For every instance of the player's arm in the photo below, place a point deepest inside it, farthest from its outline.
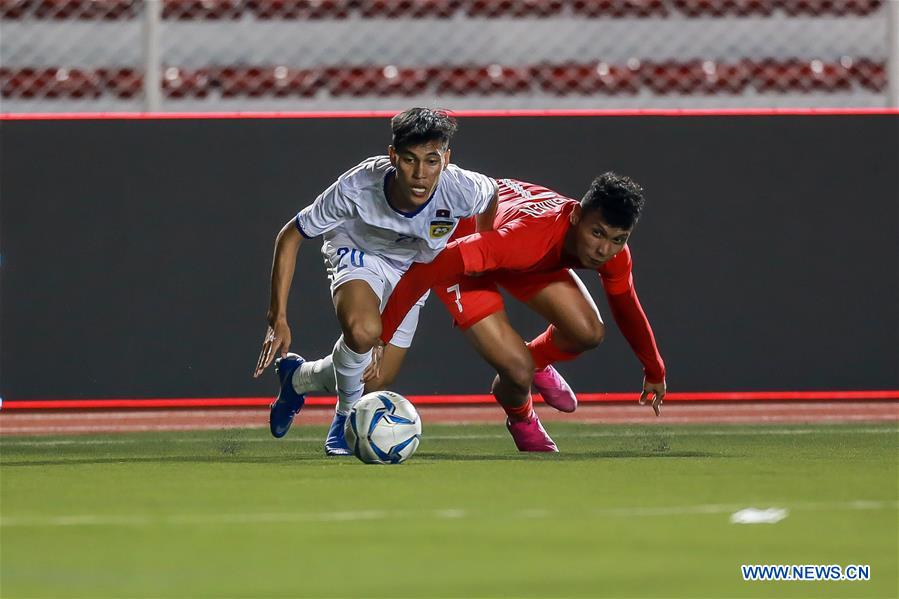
(447, 266)
(628, 313)
(277, 335)
(514, 247)
(329, 209)
(635, 327)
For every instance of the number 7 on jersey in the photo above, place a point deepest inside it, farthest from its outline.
(455, 289)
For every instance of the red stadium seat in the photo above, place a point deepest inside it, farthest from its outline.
(86, 9)
(620, 8)
(277, 81)
(408, 8)
(671, 77)
(694, 77)
(184, 83)
(830, 7)
(300, 9)
(476, 80)
(799, 75)
(122, 83)
(729, 78)
(514, 8)
(14, 83)
(210, 10)
(870, 74)
(74, 83)
(50, 83)
(565, 79)
(6, 88)
(720, 8)
(15, 9)
(585, 79)
(377, 81)
(337, 9)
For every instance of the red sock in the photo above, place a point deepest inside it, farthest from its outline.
(523, 413)
(544, 351)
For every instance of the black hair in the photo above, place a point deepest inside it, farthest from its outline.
(421, 125)
(618, 198)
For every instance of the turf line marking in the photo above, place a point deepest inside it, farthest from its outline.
(149, 415)
(749, 419)
(450, 513)
(752, 515)
(440, 514)
(629, 432)
(533, 513)
(56, 442)
(123, 428)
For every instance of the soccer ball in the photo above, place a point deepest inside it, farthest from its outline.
(383, 428)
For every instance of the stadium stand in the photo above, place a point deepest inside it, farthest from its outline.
(686, 78)
(321, 54)
(199, 10)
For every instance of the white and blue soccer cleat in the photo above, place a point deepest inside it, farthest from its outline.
(335, 444)
(288, 402)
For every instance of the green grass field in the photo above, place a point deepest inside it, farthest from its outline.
(622, 512)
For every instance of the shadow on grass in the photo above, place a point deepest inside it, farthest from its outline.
(565, 456)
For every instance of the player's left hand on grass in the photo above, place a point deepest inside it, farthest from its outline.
(373, 370)
(275, 345)
(657, 391)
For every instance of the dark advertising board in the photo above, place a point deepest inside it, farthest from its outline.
(136, 254)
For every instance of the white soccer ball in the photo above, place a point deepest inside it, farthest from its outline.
(383, 428)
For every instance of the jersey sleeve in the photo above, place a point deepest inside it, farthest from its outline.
(420, 277)
(618, 282)
(517, 245)
(478, 189)
(328, 210)
(617, 274)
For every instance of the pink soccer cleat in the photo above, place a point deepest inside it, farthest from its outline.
(530, 435)
(554, 390)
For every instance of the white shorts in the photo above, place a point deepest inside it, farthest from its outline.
(347, 263)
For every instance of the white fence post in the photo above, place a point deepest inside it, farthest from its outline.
(893, 54)
(152, 69)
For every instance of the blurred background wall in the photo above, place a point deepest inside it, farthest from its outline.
(136, 254)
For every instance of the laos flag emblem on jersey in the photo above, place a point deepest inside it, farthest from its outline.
(440, 228)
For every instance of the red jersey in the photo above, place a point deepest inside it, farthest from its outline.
(528, 235)
(530, 227)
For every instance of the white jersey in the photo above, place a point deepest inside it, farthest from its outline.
(356, 212)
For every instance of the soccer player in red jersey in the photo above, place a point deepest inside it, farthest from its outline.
(538, 236)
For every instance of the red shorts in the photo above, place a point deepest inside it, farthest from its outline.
(473, 299)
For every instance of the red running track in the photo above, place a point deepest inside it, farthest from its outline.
(74, 422)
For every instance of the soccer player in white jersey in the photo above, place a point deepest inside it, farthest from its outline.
(376, 219)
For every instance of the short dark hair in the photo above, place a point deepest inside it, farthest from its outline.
(618, 198)
(421, 125)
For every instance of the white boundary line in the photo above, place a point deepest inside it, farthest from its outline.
(626, 432)
(48, 429)
(238, 518)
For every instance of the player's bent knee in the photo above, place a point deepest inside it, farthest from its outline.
(362, 335)
(592, 335)
(585, 336)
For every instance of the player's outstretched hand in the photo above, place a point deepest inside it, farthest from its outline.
(276, 343)
(657, 391)
(373, 370)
